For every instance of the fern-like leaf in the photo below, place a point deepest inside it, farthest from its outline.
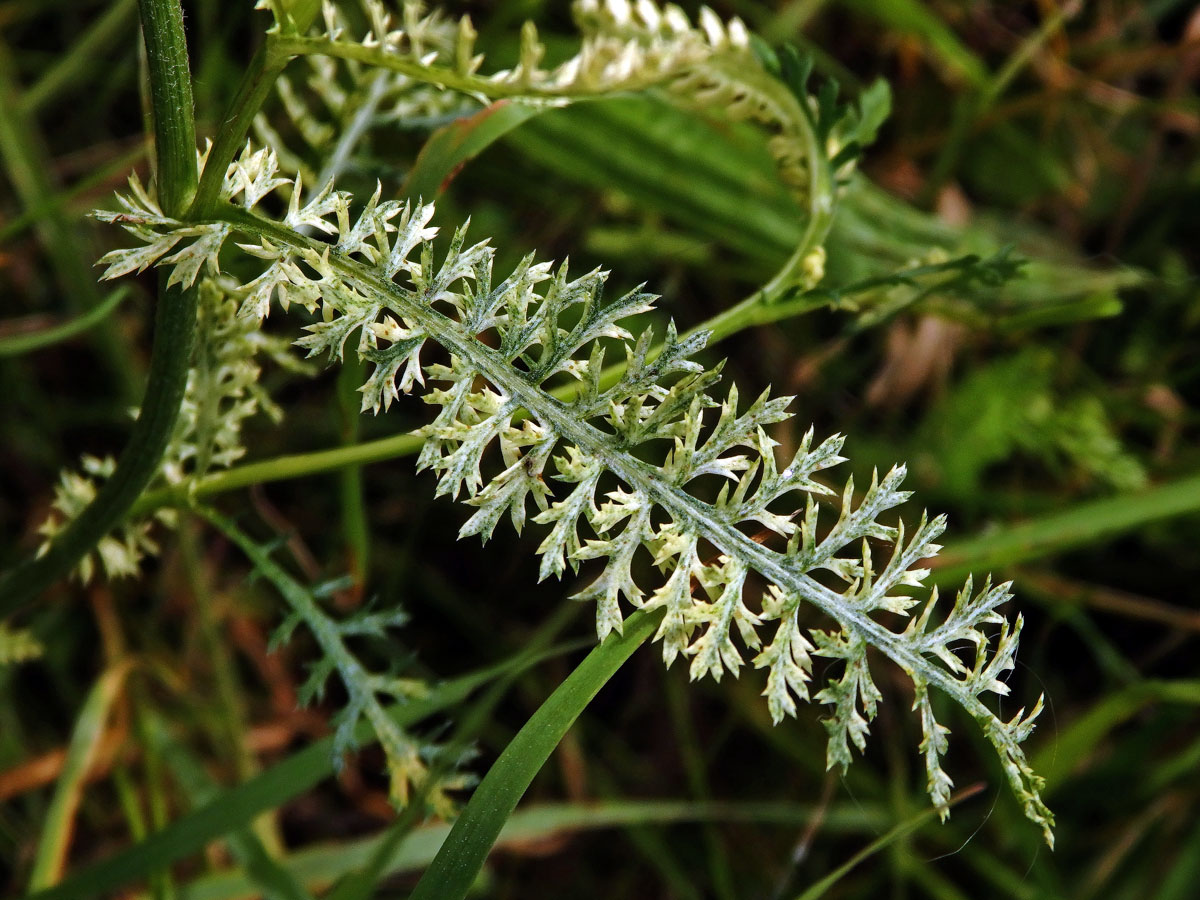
(379, 289)
(624, 47)
(367, 692)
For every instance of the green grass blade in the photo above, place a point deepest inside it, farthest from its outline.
(58, 203)
(915, 18)
(670, 162)
(77, 62)
(457, 863)
(272, 880)
(319, 866)
(1064, 752)
(904, 828)
(17, 344)
(237, 806)
(360, 884)
(25, 157)
(81, 753)
(452, 146)
(1085, 523)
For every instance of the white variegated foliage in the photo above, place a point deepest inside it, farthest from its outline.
(709, 64)
(119, 553)
(224, 388)
(330, 104)
(507, 447)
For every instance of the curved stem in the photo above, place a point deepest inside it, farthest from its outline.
(28, 342)
(462, 855)
(175, 321)
(265, 67)
(175, 325)
(254, 89)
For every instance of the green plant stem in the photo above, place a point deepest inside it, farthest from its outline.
(161, 879)
(901, 830)
(15, 345)
(264, 69)
(460, 858)
(380, 58)
(254, 89)
(355, 525)
(171, 99)
(175, 322)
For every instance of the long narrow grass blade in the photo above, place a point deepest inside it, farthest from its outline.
(81, 754)
(460, 858)
(237, 806)
(906, 827)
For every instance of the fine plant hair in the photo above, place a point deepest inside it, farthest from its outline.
(645, 460)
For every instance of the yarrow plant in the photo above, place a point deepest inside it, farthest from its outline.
(377, 285)
(551, 406)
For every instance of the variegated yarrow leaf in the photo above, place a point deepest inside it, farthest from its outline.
(224, 387)
(588, 466)
(428, 67)
(331, 103)
(119, 553)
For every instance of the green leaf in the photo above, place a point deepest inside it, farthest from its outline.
(460, 858)
(1083, 523)
(236, 807)
(16, 344)
(319, 866)
(81, 753)
(452, 146)
(909, 825)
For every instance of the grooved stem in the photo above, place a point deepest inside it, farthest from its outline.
(171, 98)
(174, 326)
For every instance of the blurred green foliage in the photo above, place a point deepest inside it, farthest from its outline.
(1058, 409)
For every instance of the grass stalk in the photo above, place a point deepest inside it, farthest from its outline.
(453, 870)
(175, 322)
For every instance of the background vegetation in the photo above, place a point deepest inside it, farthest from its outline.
(1054, 417)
